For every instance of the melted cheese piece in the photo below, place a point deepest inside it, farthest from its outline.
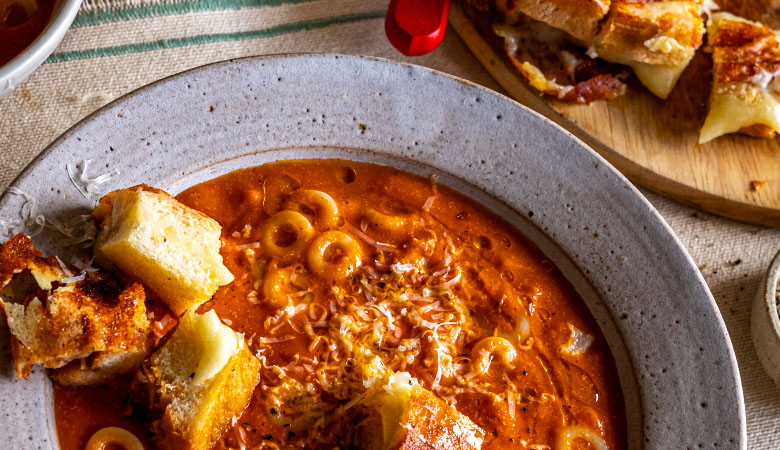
(734, 106)
(658, 79)
(664, 44)
(538, 81)
(218, 343)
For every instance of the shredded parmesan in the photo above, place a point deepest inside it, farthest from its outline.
(274, 340)
(85, 184)
(251, 245)
(73, 279)
(29, 217)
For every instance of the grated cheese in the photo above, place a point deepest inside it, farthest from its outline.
(28, 214)
(73, 279)
(85, 184)
(64, 268)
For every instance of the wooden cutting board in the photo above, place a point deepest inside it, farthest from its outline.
(654, 142)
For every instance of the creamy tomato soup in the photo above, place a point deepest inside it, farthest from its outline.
(346, 273)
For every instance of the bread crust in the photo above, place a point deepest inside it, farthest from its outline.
(578, 18)
(662, 32)
(742, 51)
(54, 323)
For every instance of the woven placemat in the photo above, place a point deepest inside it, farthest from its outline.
(117, 46)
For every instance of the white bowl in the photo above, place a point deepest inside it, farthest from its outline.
(23, 64)
(765, 322)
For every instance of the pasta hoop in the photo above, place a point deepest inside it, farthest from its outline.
(326, 212)
(113, 435)
(349, 259)
(290, 222)
(279, 284)
(568, 435)
(489, 349)
(385, 222)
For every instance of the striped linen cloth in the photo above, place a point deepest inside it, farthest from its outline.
(115, 46)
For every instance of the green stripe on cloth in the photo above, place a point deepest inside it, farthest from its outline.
(212, 38)
(85, 19)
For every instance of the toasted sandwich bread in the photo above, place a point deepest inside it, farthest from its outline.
(195, 385)
(404, 415)
(555, 67)
(56, 318)
(578, 18)
(746, 91)
(764, 11)
(171, 248)
(99, 367)
(657, 39)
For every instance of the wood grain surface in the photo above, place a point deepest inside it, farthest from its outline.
(655, 142)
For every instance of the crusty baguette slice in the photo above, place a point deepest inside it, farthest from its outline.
(197, 383)
(404, 415)
(579, 18)
(746, 61)
(171, 248)
(55, 318)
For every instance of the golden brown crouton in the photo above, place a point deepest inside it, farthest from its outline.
(171, 248)
(404, 415)
(196, 384)
(56, 318)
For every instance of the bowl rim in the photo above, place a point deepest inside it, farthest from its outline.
(43, 45)
(770, 291)
(773, 279)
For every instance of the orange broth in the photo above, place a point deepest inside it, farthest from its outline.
(502, 277)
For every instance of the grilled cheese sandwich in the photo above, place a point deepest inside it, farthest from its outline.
(746, 92)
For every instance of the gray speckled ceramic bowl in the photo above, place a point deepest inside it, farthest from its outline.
(19, 68)
(675, 361)
(765, 322)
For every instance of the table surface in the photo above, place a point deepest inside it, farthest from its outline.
(117, 46)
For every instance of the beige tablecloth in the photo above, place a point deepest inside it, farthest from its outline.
(117, 46)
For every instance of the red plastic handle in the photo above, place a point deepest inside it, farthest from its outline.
(416, 27)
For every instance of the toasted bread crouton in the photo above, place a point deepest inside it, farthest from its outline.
(54, 319)
(579, 18)
(171, 248)
(404, 415)
(196, 384)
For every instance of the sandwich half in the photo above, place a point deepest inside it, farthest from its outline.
(657, 39)
(745, 90)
